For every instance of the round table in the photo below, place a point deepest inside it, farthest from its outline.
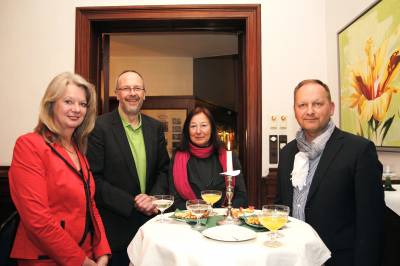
(176, 243)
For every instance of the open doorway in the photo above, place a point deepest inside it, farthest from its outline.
(203, 68)
(244, 20)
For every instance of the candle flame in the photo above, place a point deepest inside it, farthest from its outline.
(229, 145)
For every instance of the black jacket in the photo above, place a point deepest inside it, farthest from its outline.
(345, 204)
(117, 182)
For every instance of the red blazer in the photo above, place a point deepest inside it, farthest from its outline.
(50, 199)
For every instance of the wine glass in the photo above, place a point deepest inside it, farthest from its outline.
(273, 217)
(197, 207)
(162, 203)
(211, 197)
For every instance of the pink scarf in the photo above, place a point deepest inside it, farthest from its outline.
(179, 170)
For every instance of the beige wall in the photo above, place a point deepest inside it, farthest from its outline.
(298, 41)
(294, 48)
(159, 73)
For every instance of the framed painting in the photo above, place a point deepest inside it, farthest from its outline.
(172, 120)
(369, 75)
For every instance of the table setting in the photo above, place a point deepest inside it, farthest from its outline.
(178, 240)
(203, 235)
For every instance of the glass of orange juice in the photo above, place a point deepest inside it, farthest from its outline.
(211, 197)
(273, 217)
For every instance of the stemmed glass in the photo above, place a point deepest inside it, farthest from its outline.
(211, 197)
(162, 203)
(197, 207)
(273, 217)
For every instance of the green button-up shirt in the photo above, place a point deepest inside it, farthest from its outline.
(138, 149)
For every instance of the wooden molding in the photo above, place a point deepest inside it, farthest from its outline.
(4, 187)
(92, 22)
(4, 171)
(268, 187)
(7, 206)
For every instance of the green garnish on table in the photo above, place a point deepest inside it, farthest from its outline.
(212, 221)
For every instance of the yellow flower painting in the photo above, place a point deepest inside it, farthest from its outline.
(369, 71)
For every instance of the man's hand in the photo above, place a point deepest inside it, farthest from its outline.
(144, 204)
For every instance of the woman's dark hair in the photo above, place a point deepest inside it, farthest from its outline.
(214, 140)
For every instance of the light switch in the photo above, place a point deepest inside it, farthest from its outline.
(283, 122)
(282, 141)
(273, 122)
(273, 149)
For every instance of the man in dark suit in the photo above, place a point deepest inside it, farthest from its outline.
(128, 157)
(332, 180)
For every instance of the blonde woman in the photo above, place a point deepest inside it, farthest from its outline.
(51, 183)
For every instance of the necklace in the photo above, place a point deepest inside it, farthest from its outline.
(68, 150)
(71, 152)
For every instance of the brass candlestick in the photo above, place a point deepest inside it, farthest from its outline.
(229, 219)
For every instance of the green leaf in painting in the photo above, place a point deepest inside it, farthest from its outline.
(386, 127)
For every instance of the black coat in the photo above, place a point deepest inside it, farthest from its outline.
(345, 204)
(117, 182)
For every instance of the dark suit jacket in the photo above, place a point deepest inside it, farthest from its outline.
(117, 182)
(345, 204)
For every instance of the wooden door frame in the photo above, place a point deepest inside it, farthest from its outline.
(91, 22)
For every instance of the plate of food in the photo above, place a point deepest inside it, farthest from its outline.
(252, 221)
(187, 216)
(240, 212)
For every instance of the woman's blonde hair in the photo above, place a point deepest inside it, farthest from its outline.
(46, 126)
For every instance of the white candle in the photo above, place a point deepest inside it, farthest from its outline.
(229, 165)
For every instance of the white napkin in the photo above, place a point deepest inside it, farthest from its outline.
(300, 170)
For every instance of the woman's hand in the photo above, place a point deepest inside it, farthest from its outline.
(88, 262)
(102, 261)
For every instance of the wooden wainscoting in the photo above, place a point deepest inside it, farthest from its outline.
(268, 190)
(7, 206)
(244, 20)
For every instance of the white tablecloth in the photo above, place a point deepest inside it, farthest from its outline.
(175, 243)
(392, 199)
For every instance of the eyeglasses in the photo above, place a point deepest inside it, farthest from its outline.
(129, 89)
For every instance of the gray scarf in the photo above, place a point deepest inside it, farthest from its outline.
(308, 151)
(316, 147)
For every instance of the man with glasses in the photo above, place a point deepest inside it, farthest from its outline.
(129, 160)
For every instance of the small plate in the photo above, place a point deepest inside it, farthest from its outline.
(229, 233)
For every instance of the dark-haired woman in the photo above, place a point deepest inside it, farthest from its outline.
(198, 162)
